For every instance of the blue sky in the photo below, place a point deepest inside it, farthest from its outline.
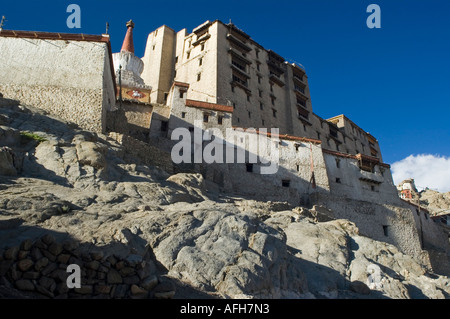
(393, 82)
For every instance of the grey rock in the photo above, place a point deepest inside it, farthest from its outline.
(41, 263)
(55, 249)
(25, 284)
(11, 253)
(113, 277)
(25, 264)
(26, 245)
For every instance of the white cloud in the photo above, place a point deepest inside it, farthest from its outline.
(432, 171)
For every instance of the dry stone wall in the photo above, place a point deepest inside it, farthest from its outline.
(39, 270)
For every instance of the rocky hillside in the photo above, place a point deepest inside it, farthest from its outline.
(435, 202)
(73, 197)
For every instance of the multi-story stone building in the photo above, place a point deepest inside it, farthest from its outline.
(223, 65)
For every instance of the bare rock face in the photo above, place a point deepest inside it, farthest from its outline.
(77, 185)
(7, 162)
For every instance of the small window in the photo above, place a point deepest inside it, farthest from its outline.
(176, 60)
(249, 168)
(153, 48)
(272, 100)
(274, 112)
(338, 163)
(234, 105)
(181, 94)
(263, 122)
(164, 126)
(183, 115)
(259, 79)
(338, 180)
(260, 93)
(372, 188)
(261, 106)
(298, 168)
(220, 120)
(248, 98)
(205, 117)
(249, 115)
(285, 183)
(191, 129)
(200, 62)
(386, 230)
(199, 77)
(304, 127)
(203, 47)
(188, 55)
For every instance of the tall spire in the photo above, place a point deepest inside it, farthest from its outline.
(128, 45)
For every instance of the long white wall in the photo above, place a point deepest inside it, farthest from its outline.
(70, 79)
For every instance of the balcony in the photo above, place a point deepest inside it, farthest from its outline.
(297, 78)
(275, 67)
(275, 79)
(238, 43)
(242, 71)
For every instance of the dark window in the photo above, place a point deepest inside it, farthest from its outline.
(199, 77)
(183, 115)
(285, 183)
(191, 129)
(239, 65)
(338, 163)
(203, 46)
(164, 126)
(261, 106)
(274, 112)
(220, 120)
(181, 94)
(200, 61)
(298, 168)
(338, 180)
(386, 230)
(249, 168)
(205, 117)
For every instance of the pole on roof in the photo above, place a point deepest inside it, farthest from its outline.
(120, 85)
(2, 23)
